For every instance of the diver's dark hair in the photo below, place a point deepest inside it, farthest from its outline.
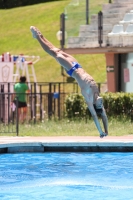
(22, 79)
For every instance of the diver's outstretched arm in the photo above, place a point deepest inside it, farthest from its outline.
(105, 121)
(95, 118)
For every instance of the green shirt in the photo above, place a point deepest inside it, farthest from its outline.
(20, 89)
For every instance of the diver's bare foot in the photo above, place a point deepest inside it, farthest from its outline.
(103, 135)
(35, 32)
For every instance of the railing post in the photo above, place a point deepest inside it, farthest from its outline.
(17, 117)
(62, 29)
(41, 110)
(35, 103)
(99, 87)
(31, 103)
(87, 11)
(50, 101)
(59, 101)
(8, 98)
(100, 28)
(54, 101)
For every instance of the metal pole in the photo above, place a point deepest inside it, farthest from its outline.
(87, 11)
(35, 102)
(8, 102)
(50, 95)
(100, 28)
(17, 117)
(62, 29)
(41, 110)
(59, 105)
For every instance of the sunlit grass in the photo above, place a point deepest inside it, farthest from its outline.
(15, 37)
(117, 127)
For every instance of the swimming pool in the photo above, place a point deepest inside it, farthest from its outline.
(66, 176)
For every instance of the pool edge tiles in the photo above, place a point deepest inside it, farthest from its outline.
(21, 147)
(66, 146)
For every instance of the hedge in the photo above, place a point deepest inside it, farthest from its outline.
(115, 104)
(6, 4)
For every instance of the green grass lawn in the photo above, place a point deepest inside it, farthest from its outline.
(117, 127)
(15, 37)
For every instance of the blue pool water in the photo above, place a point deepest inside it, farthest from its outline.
(66, 176)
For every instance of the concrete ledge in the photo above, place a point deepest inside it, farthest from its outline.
(3, 150)
(67, 146)
(98, 50)
(88, 149)
(20, 149)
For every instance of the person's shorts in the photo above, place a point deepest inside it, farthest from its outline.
(21, 104)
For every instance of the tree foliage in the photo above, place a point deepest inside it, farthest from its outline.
(115, 104)
(6, 4)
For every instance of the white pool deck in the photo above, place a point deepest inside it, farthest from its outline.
(19, 144)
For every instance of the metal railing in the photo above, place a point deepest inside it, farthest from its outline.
(47, 104)
(40, 106)
(43, 87)
(9, 122)
(100, 28)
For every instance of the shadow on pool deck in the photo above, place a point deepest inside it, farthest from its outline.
(66, 144)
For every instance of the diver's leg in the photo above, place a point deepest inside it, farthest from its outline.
(46, 45)
(49, 47)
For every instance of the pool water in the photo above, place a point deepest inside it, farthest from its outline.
(66, 176)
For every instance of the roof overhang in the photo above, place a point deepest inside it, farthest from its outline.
(98, 50)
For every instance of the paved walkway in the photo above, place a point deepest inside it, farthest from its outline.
(67, 139)
(66, 143)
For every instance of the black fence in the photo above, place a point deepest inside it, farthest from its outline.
(46, 87)
(9, 122)
(41, 107)
(46, 101)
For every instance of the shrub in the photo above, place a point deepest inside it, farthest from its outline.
(75, 106)
(5, 4)
(115, 104)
